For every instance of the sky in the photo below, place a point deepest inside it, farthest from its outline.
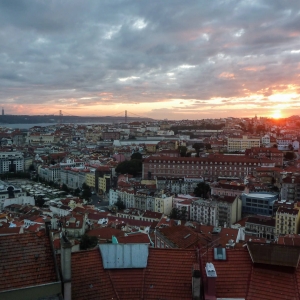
(169, 59)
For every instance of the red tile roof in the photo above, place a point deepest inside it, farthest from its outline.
(25, 260)
(105, 233)
(237, 277)
(134, 238)
(167, 276)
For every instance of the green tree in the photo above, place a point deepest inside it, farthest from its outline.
(132, 167)
(120, 204)
(77, 192)
(202, 190)
(86, 191)
(39, 201)
(174, 213)
(178, 214)
(182, 150)
(198, 147)
(88, 242)
(65, 188)
(136, 155)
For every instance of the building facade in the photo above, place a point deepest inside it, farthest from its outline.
(211, 167)
(287, 221)
(258, 203)
(242, 143)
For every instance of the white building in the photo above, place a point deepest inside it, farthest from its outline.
(265, 140)
(204, 211)
(11, 162)
(242, 143)
(23, 200)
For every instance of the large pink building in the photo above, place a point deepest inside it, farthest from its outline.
(210, 167)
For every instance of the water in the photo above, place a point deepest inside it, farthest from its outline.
(27, 126)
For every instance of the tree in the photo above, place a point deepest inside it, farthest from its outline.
(260, 129)
(208, 146)
(87, 242)
(289, 155)
(132, 167)
(182, 151)
(65, 188)
(86, 191)
(178, 214)
(77, 192)
(197, 147)
(31, 168)
(174, 213)
(136, 155)
(202, 190)
(120, 204)
(39, 201)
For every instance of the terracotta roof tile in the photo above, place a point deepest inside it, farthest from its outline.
(25, 260)
(91, 281)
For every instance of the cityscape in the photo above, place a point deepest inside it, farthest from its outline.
(205, 194)
(149, 150)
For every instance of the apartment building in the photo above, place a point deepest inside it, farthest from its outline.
(90, 180)
(110, 135)
(73, 177)
(242, 143)
(204, 211)
(184, 185)
(258, 203)
(49, 173)
(261, 227)
(290, 188)
(273, 153)
(287, 220)
(228, 188)
(11, 162)
(212, 167)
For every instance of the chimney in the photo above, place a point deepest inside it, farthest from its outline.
(47, 227)
(196, 282)
(65, 261)
(211, 274)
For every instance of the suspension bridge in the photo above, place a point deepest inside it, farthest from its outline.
(63, 116)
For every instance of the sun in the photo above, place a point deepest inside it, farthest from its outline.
(276, 114)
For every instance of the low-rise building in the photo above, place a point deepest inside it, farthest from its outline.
(261, 227)
(287, 220)
(258, 203)
(242, 143)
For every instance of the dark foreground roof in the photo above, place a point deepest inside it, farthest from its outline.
(167, 276)
(26, 260)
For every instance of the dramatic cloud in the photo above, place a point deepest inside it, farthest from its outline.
(162, 59)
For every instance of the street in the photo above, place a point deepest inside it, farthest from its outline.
(103, 205)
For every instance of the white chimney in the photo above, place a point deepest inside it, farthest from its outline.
(211, 275)
(65, 261)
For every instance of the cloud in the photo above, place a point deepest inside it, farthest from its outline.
(113, 53)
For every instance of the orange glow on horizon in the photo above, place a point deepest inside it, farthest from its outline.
(277, 114)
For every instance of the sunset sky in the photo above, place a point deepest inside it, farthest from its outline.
(170, 59)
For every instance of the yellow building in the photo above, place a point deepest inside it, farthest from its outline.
(103, 183)
(163, 204)
(242, 143)
(90, 180)
(287, 221)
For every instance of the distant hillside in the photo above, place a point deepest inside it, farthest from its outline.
(24, 119)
